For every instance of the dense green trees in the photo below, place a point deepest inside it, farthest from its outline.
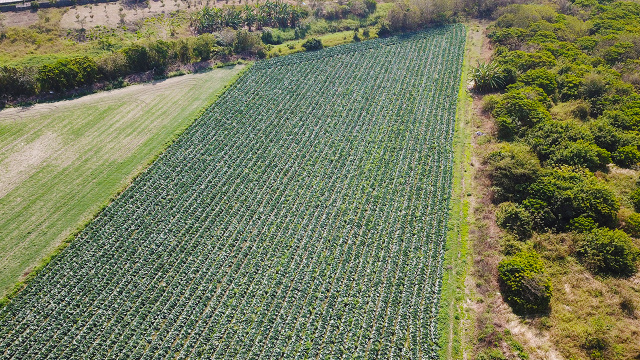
(567, 114)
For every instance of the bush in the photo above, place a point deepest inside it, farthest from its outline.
(137, 58)
(514, 219)
(571, 193)
(488, 77)
(635, 199)
(17, 82)
(512, 169)
(582, 224)
(550, 137)
(542, 78)
(269, 38)
(523, 108)
(608, 252)
(312, 44)
(112, 66)
(68, 74)
(524, 284)
(581, 153)
(627, 156)
(203, 46)
(632, 225)
(246, 42)
(384, 30)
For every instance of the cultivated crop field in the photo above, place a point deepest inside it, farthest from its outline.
(302, 216)
(61, 162)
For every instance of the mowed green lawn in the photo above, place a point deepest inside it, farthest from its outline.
(60, 162)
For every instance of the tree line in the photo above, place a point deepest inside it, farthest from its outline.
(157, 56)
(268, 14)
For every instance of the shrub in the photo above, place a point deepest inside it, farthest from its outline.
(68, 74)
(627, 156)
(521, 109)
(269, 38)
(512, 169)
(488, 77)
(582, 224)
(571, 193)
(312, 44)
(542, 78)
(605, 135)
(137, 58)
(246, 42)
(635, 199)
(632, 225)
(581, 153)
(112, 66)
(524, 284)
(17, 82)
(203, 46)
(384, 30)
(514, 219)
(609, 252)
(550, 137)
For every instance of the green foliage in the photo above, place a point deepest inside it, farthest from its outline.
(525, 286)
(524, 109)
(582, 224)
(312, 44)
(541, 78)
(605, 135)
(488, 77)
(384, 30)
(137, 57)
(632, 225)
(571, 193)
(581, 153)
(203, 46)
(512, 169)
(609, 252)
(593, 85)
(68, 74)
(510, 37)
(627, 156)
(635, 199)
(247, 43)
(618, 52)
(275, 14)
(524, 61)
(548, 137)
(16, 82)
(515, 219)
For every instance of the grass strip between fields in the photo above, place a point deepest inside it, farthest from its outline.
(43, 263)
(451, 314)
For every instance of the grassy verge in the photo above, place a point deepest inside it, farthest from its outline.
(451, 314)
(96, 149)
(328, 40)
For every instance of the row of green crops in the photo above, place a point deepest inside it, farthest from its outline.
(302, 216)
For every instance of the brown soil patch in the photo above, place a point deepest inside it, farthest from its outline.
(19, 18)
(112, 14)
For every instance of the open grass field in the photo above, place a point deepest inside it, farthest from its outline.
(61, 162)
(304, 215)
